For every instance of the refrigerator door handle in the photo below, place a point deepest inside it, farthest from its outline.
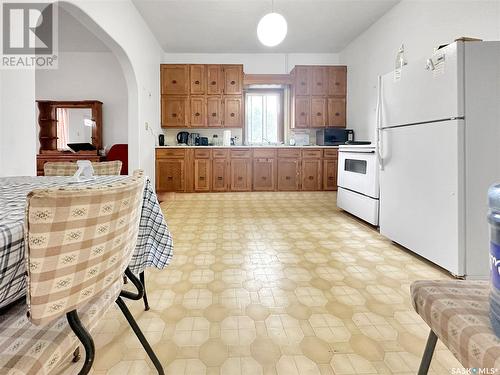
(379, 124)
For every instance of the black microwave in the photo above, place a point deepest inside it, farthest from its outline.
(334, 137)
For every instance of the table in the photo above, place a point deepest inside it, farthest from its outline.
(154, 244)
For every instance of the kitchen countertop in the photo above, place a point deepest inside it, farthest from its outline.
(270, 146)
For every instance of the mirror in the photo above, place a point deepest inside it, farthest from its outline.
(74, 125)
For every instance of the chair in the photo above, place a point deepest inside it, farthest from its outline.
(119, 152)
(105, 168)
(79, 242)
(457, 314)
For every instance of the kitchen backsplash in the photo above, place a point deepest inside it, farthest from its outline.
(171, 134)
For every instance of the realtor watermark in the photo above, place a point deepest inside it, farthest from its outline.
(29, 35)
(475, 371)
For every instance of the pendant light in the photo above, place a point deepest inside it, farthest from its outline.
(272, 28)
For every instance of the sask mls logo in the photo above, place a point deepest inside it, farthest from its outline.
(29, 35)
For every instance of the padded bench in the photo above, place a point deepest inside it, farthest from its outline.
(457, 313)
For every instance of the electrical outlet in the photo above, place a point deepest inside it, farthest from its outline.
(146, 125)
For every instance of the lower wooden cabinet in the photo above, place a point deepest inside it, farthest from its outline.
(264, 174)
(330, 174)
(241, 174)
(202, 174)
(170, 175)
(311, 174)
(288, 174)
(220, 173)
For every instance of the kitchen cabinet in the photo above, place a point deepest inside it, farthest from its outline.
(319, 84)
(170, 175)
(288, 173)
(264, 170)
(318, 112)
(197, 109)
(220, 173)
(241, 174)
(302, 80)
(233, 111)
(336, 112)
(197, 79)
(330, 168)
(337, 81)
(311, 174)
(215, 80)
(174, 111)
(302, 112)
(174, 79)
(202, 174)
(233, 79)
(214, 111)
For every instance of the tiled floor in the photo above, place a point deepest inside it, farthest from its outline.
(274, 283)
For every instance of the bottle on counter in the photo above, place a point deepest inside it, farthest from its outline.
(494, 220)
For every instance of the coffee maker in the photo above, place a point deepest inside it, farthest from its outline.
(194, 139)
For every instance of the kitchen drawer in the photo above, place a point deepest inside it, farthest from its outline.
(219, 153)
(311, 153)
(163, 153)
(289, 153)
(202, 154)
(330, 153)
(241, 153)
(264, 153)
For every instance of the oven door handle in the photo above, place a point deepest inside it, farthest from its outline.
(358, 152)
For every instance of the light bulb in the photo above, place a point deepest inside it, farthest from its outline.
(272, 29)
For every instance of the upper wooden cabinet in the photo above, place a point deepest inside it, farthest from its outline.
(325, 88)
(214, 111)
(337, 80)
(197, 79)
(302, 80)
(197, 110)
(319, 85)
(174, 111)
(174, 79)
(233, 79)
(233, 111)
(215, 79)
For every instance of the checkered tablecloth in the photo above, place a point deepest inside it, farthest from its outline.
(154, 244)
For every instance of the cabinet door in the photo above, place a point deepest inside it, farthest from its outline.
(336, 112)
(215, 80)
(264, 174)
(202, 173)
(198, 113)
(219, 175)
(197, 79)
(170, 175)
(288, 174)
(330, 174)
(233, 79)
(241, 174)
(337, 80)
(311, 174)
(233, 112)
(174, 79)
(214, 111)
(174, 111)
(319, 85)
(302, 112)
(318, 112)
(302, 80)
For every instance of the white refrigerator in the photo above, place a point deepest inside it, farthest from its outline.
(439, 151)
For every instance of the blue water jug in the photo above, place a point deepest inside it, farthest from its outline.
(494, 219)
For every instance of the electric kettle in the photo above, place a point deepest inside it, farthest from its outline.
(182, 138)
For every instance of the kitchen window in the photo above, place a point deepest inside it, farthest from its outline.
(264, 117)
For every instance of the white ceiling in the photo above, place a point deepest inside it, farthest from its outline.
(229, 26)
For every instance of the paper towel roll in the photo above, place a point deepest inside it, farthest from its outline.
(227, 138)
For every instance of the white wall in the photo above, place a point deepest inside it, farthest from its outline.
(255, 63)
(90, 76)
(421, 26)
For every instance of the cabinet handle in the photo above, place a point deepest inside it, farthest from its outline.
(202, 178)
(302, 113)
(330, 178)
(174, 114)
(318, 114)
(219, 178)
(240, 178)
(174, 81)
(337, 114)
(196, 82)
(337, 83)
(197, 114)
(213, 83)
(264, 178)
(319, 83)
(233, 82)
(232, 114)
(311, 177)
(170, 178)
(303, 83)
(287, 178)
(214, 114)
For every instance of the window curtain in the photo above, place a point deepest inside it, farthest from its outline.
(62, 128)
